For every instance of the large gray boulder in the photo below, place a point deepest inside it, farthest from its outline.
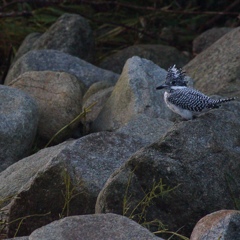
(134, 93)
(163, 56)
(216, 70)
(70, 174)
(18, 125)
(93, 227)
(71, 34)
(53, 60)
(197, 159)
(59, 99)
(147, 128)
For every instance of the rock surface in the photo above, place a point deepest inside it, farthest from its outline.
(59, 98)
(93, 227)
(207, 38)
(134, 93)
(198, 159)
(95, 87)
(18, 125)
(216, 70)
(42, 180)
(53, 60)
(149, 129)
(70, 34)
(224, 224)
(98, 99)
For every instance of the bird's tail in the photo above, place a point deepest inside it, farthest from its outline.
(216, 103)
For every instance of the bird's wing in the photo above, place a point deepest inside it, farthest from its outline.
(189, 99)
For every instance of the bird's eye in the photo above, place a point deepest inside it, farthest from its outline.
(173, 82)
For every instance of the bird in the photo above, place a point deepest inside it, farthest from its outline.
(184, 100)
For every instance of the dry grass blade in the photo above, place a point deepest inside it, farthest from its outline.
(81, 115)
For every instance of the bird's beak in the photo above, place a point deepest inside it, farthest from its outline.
(162, 86)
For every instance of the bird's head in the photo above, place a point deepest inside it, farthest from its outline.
(175, 77)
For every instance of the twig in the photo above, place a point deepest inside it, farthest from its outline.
(11, 3)
(127, 5)
(120, 25)
(24, 218)
(164, 9)
(82, 114)
(16, 14)
(215, 18)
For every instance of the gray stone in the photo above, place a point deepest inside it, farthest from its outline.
(96, 96)
(198, 159)
(134, 93)
(70, 34)
(53, 60)
(18, 125)
(149, 129)
(99, 99)
(19, 174)
(223, 224)
(207, 38)
(59, 98)
(216, 70)
(93, 227)
(95, 87)
(164, 56)
(40, 183)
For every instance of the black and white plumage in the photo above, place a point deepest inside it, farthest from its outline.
(183, 100)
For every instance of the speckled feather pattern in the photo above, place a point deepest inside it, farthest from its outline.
(184, 100)
(193, 100)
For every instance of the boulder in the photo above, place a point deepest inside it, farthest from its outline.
(191, 171)
(18, 125)
(216, 70)
(98, 99)
(93, 227)
(134, 93)
(207, 38)
(96, 96)
(70, 34)
(59, 99)
(53, 60)
(149, 129)
(163, 56)
(223, 224)
(62, 180)
(95, 87)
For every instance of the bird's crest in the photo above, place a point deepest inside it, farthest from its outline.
(176, 77)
